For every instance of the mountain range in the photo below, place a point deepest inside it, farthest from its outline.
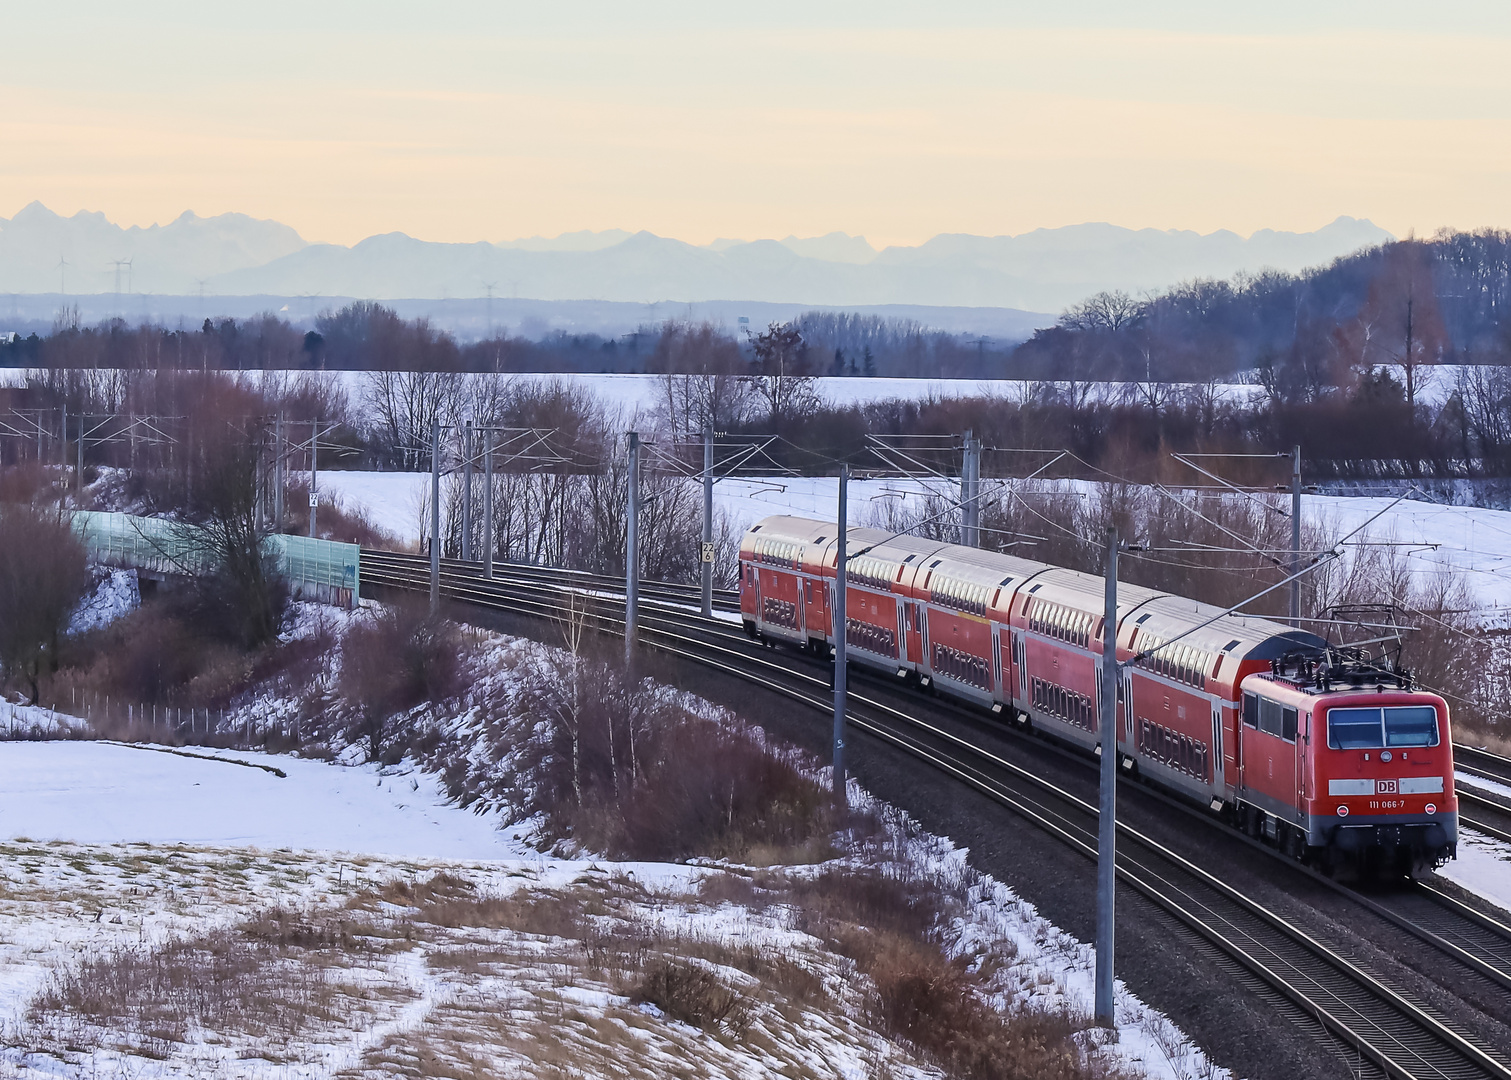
(235, 255)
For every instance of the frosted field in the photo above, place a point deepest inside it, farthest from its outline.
(641, 393)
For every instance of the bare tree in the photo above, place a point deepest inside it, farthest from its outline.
(404, 405)
(1109, 311)
(244, 595)
(782, 375)
(1484, 396)
(42, 576)
(690, 403)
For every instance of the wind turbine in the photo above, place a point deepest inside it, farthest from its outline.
(61, 268)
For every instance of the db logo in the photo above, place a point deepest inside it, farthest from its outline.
(1432, 808)
(1385, 787)
(1343, 811)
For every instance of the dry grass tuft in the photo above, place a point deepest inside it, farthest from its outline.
(226, 981)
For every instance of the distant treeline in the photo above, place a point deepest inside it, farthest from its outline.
(367, 336)
(1411, 303)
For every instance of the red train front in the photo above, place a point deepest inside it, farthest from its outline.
(1344, 755)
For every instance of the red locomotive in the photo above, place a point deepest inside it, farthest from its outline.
(1331, 758)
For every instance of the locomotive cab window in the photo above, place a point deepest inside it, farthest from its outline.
(1414, 725)
(1250, 711)
(1367, 729)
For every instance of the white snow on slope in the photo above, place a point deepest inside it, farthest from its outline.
(1483, 866)
(115, 593)
(395, 502)
(105, 793)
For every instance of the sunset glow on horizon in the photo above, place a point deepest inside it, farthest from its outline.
(481, 123)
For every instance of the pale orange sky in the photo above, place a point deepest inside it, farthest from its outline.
(497, 121)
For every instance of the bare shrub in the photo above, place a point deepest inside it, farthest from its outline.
(692, 994)
(344, 524)
(896, 928)
(149, 657)
(23, 482)
(608, 770)
(400, 658)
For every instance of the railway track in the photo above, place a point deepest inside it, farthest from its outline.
(1487, 810)
(1321, 986)
(666, 591)
(1482, 763)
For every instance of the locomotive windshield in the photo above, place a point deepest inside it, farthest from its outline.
(1366, 729)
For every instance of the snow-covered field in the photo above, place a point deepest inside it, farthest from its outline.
(109, 793)
(630, 392)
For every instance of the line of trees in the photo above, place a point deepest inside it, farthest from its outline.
(1411, 305)
(367, 336)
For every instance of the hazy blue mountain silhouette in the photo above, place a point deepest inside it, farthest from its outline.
(1043, 270)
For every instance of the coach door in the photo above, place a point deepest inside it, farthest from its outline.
(923, 639)
(1125, 704)
(1020, 666)
(997, 680)
(913, 631)
(1303, 737)
(1218, 780)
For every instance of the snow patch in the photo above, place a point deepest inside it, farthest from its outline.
(1483, 867)
(109, 793)
(115, 593)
